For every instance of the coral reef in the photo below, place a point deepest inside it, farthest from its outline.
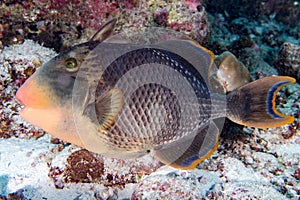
(231, 9)
(268, 158)
(288, 62)
(257, 67)
(168, 183)
(286, 11)
(84, 166)
(283, 11)
(176, 15)
(55, 23)
(249, 163)
(59, 24)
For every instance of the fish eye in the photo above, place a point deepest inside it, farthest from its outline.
(71, 64)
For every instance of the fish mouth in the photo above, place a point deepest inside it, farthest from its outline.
(21, 98)
(36, 113)
(23, 109)
(56, 121)
(23, 106)
(31, 94)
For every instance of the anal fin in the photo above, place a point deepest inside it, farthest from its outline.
(188, 153)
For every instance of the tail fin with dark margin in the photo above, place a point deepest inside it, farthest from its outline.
(254, 104)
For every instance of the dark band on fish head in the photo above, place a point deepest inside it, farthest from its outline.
(55, 73)
(59, 83)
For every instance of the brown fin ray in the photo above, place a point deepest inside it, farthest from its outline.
(105, 31)
(229, 73)
(200, 57)
(188, 153)
(254, 104)
(108, 106)
(214, 83)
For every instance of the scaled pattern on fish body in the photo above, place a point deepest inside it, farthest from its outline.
(129, 96)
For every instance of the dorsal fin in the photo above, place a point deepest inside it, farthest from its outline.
(105, 31)
(229, 72)
(197, 55)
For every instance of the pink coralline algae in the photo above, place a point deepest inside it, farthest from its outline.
(161, 17)
(59, 24)
(84, 166)
(189, 18)
(193, 4)
(297, 174)
(55, 23)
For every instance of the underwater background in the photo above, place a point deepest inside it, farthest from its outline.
(249, 163)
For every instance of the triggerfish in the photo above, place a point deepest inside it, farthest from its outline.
(127, 97)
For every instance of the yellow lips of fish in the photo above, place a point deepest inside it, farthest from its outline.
(33, 95)
(40, 110)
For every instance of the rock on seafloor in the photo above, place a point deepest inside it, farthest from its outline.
(169, 183)
(241, 183)
(289, 60)
(253, 164)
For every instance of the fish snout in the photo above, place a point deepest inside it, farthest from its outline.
(41, 110)
(31, 94)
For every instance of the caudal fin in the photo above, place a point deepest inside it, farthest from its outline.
(254, 104)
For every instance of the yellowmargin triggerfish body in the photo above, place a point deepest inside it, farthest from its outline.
(124, 97)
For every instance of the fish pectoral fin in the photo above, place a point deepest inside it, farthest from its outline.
(105, 31)
(108, 106)
(188, 153)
